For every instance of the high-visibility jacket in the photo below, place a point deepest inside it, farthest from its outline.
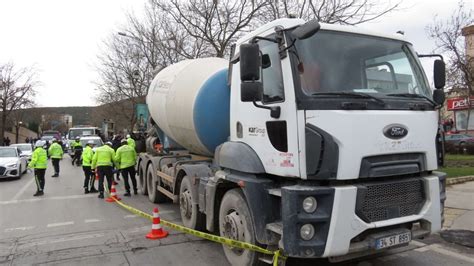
(131, 142)
(103, 156)
(76, 144)
(39, 159)
(87, 155)
(125, 156)
(55, 151)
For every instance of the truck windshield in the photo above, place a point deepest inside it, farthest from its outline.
(338, 63)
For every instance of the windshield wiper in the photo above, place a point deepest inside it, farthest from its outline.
(351, 94)
(412, 95)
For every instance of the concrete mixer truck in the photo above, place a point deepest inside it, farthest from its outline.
(319, 140)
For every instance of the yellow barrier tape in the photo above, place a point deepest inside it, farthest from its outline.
(219, 239)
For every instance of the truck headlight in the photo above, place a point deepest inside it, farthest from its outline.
(11, 165)
(310, 204)
(307, 232)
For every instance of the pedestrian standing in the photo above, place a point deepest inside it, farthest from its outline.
(89, 176)
(7, 142)
(39, 162)
(56, 154)
(103, 162)
(126, 158)
(27, 140)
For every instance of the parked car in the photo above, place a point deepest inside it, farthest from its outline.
(12, 164)
(459, 139)
(458, 143)
(25, 148)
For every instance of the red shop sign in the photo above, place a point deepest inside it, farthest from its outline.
(459, 103)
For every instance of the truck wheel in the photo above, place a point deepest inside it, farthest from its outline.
(142, 178)
(235, 223)
(190, 214)
(153, 194)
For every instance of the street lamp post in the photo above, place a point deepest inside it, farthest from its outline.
(17, 126)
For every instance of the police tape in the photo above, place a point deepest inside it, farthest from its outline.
(219, 239)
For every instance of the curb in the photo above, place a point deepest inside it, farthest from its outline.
(459, 180)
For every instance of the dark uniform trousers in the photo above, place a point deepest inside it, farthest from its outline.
(39, 176)
(88, 176)
(56, 164)
(125, 173)
(105, 172)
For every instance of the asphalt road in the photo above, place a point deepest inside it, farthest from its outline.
(67, 227)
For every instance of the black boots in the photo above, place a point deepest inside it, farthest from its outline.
(135, 191)
(55, 175)
(93, 190)
(86, 191)
(101, 195)
(38, 193)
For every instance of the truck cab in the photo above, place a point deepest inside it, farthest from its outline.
(349, 117)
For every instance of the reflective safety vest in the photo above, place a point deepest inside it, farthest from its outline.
(103, 156)
(76, 144)
(55, 151)
(125, 156)
(131, 142)
(87, 155)
(39, 159)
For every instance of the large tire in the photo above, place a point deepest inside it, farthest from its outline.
(142, 178)
(236, 223)
(153, 194)
(190, 214)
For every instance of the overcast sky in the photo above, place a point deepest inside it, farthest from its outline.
(62, 38)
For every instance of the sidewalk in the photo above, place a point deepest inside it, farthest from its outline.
(459, 207)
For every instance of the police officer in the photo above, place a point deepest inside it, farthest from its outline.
(89, 177)
(56, 154)
(102, 161)
(125, 158)
(130, 141)
(39, 162)
(76, 147)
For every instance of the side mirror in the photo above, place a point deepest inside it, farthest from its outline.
(438, 96)
(250, 62)
(306, 30)
(250, 91)
(439, 73)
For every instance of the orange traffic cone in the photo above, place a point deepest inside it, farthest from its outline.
(156, 231)
(113, 195)
(96, 175)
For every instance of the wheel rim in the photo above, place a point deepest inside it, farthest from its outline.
(185, 204)
(234, 229)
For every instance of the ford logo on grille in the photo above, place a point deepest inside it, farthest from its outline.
(395, 131)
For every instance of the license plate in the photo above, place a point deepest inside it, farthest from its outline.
(394, 240)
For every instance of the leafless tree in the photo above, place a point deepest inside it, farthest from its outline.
(214, 23)
(449, 40)
(346, 12)
(17, 89)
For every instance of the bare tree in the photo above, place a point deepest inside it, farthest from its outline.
(346, 12)
(214, 23)
(17, 89)
(449, 41)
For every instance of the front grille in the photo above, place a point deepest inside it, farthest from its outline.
(2, 170)
(380, 201)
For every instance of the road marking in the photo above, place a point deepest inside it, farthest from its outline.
(60, 224)
(91, 221)
(63, 239)
(130, 216)
(440, 249)
(23, 189)
(42, 199)
(24, 228)
(417, 243)
(423, 249)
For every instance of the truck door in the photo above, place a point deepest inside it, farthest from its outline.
(273, 139)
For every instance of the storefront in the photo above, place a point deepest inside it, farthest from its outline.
(460, 107)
